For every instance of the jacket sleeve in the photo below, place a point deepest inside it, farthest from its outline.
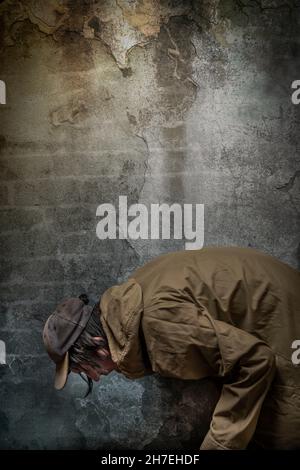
(247, 365)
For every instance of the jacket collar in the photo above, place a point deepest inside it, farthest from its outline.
(121, 311)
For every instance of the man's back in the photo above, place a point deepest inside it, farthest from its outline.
(241, 286)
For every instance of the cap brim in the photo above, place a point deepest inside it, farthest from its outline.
(61, 373)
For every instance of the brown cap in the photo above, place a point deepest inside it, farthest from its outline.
(61, 331)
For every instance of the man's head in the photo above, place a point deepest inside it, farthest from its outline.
(75, 341)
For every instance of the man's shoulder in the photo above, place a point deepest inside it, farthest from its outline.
(122, 300)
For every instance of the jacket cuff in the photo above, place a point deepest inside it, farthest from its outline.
(210, 444)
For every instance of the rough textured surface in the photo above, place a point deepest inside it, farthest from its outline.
(162, 101)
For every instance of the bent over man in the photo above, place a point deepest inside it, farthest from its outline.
(224, 312)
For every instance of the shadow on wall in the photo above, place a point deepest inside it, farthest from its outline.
(187, 408)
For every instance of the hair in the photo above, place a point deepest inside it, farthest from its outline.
(85, 347)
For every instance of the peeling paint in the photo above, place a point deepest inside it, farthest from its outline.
(287, 186)
(72, 113)
(119, 24)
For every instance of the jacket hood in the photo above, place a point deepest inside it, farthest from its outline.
(121, 311)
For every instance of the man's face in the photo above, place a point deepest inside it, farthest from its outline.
(102, 365)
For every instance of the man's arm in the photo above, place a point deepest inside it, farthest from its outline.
(248, 366)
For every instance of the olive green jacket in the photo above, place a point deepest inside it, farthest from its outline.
(224, 312)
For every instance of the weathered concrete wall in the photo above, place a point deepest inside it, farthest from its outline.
(162, 101)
